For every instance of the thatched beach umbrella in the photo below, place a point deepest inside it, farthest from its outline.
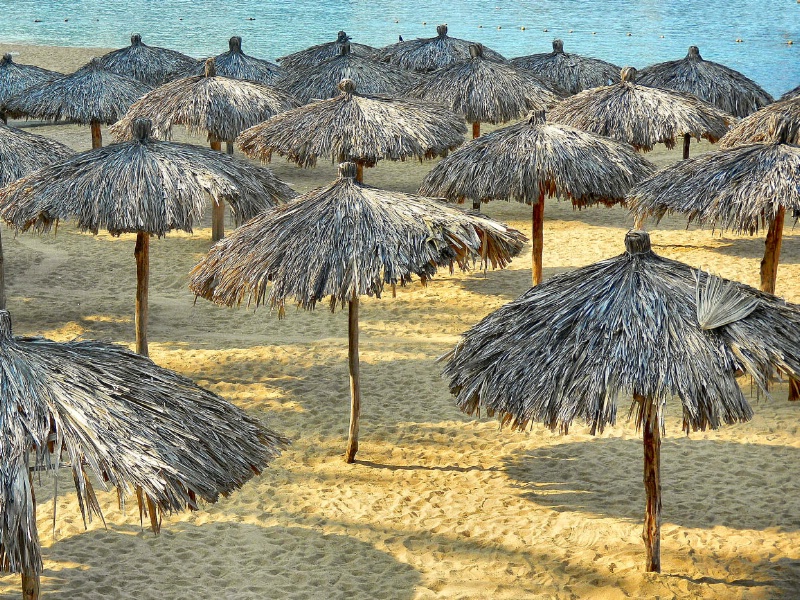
(145, 187)
(430, 54)
(791, 94)
(89, 95)
(148, 64)
(101, 409)
(571, 72)
(778, 121)
(14, 78)
(344, 241)
(642, 116)
(321, 52)
(352, 127)
(635, 325)
(485, 91)
(321, 80)
(220, 107)
(531, 159)
(236, 64)
(22, 152)
(725, 88)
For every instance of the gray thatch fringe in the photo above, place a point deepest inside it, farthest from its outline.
(22, 152)
(236, 64)
(725, 88)
(142, 185)
(321, 80)
(568, 348)
(527, 160)
(148, 64)
(90, 94)
(485, 91)
(571, 72)
(104, 410)
(14, 78)
(777, 122)
(347, 240)
(316, 54)
(641, 116)
(220, 107)
(429, 54)
(364, 129)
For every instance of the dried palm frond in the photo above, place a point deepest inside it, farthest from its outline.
(641, 116)
(148, 64)
(364, 129)
(237, 65)
(430, 54)
(725, 88)
(316, 54)
(721, 302)
(571, 72)
(220, 107)
(22, 152)
(778, 121)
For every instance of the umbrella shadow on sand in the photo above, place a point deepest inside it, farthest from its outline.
(214, 559)
(707, 483)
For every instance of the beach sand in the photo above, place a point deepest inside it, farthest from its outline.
(439, 505)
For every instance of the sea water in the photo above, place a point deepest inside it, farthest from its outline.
(751, 36)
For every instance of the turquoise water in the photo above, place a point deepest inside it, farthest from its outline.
(659, 30)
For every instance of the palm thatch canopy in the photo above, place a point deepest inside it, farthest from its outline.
(531, 159)
(14, 78)
(364, 129)
(148, 64)
(141, 185)
(22, 152)
(641, 116)
(728, 90)
(89, 95)
(220, 107)
(237, 65)
(635, 325)
(106, 411)
(343, 241)
(791, 94)
(321, 80)
(571, 72)
(316, 54)
(485, 91)
(778, 121)
(430, 54)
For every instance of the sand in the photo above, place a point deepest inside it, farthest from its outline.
(440, 505)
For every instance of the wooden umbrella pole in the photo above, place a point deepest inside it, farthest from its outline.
(476, 129)
(30, 579)
(2, 278)
(142, 253)
(651, 436)
(3, 117)
(359, 172)
(217, 207)
(229, 148)
(687, 139)
(355, 382)
(97, 135)
(476, 204)
(537, 239)
(772, 252)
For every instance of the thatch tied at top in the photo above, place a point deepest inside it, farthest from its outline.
(209, 104)
(430, 54)
(485, 91)
(148, 64)
(236, 64)
(22, 152)
(571, 72)
(791, 94)
(321, 80)
(343, 241)
(364, 129)
(100, 409)
(635, 325)
(717, 84)
(778, 121)
(14, 78)
(531, 159)
(316, 54)
(143, 186)
(641, 116)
